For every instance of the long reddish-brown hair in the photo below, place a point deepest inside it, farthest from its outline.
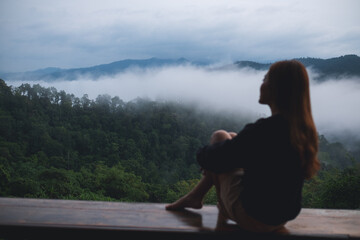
(289, 82)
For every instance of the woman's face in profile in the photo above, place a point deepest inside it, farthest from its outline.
(265, 91)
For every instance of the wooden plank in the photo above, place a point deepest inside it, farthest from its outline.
(147, 218)
(325, 221)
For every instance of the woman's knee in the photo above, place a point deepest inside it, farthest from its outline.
(219, 136)
(232, 134)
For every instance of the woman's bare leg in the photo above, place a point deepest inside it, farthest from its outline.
(194, 199)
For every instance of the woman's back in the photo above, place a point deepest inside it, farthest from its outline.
(272, 178)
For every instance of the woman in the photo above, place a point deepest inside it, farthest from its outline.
(259, 173)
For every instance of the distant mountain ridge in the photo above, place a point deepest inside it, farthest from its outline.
(94, 72)
(118, 66)
(348, 65)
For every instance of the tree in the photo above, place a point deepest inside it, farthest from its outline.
(59, 183)
(120, 185)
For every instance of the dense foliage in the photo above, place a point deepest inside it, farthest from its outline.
(55, 145)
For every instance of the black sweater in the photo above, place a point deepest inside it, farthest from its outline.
(273, 178)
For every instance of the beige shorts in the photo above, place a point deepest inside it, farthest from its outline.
(230, 204)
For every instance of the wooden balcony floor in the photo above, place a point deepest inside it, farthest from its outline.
(37, 215)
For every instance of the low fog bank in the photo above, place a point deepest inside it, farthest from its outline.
(335, 102)
(336, 109)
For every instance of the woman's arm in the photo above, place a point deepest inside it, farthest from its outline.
(230, 154)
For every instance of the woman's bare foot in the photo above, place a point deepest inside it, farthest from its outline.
(185, 202)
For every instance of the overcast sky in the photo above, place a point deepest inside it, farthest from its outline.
(79, 33)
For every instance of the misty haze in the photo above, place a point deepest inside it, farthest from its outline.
(335, 101)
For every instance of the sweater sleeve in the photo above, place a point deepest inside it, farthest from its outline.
(235, 153)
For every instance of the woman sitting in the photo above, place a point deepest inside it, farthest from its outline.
(259, 172)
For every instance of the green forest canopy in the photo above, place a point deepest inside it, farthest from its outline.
(55, 145)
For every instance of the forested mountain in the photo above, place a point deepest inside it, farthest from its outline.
(55, 145)
(44, 131)
(348, 65)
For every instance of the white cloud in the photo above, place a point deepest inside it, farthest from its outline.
(335, 103)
